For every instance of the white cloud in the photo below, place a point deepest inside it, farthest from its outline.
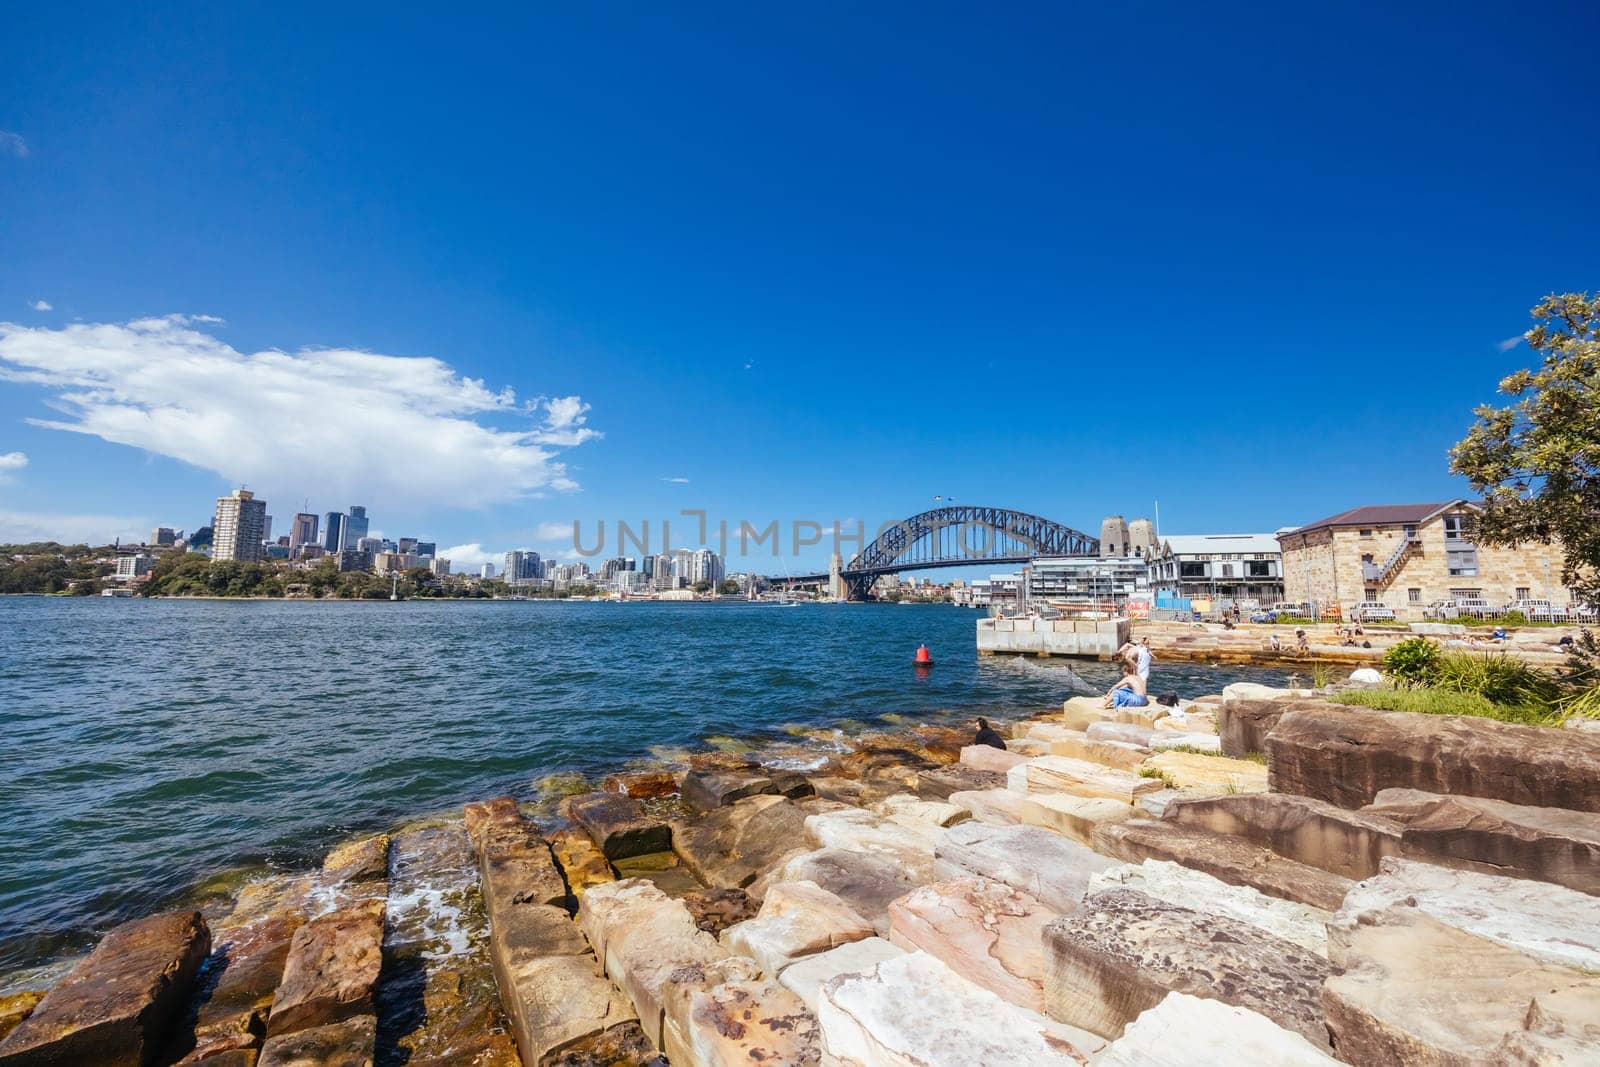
(13, 461)
(395, 431)
(1509, 343)
(470, 557)
(552, 532)
(677, 481)
(24, 527)
(42, 305)
(13, 144)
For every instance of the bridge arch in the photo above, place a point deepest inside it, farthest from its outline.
(944, 536)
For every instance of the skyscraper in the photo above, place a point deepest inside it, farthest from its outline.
(239, 527)
(355, 525)
(333, 532)
(303, 531)
(427, 549)
(521, 567)
(163, 537)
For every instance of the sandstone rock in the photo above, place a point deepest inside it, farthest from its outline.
(796, 919)
(1155, 804)
(1231, 859)
(331, 973)
(740, 1023)
(623, 1045)
(1028, 747)
(1345, 755)
(1551, 923)
(985, 931)
(1176, 884)
(730, 847)
(237, 1057)
(683, 986)
(1058, 774)
(497, 820)
(1314, 832)
(915, 1010)
(1042, 864)
(1045, 730)
(1123, 952)
(363, 860)
(1210, 1034)
(866, 881)
(642, 785)
(1071, 816)
(1121, 732)
(987, 758)
(1414, 991)
(1078, 713)
(714, 910)
(933, 812)
(1208, 744)
(663, 869)
(805, 976)
(858, 794)
(1494, 837)
(618, 825)
(910, 845)
(1115, 754)
(1148, 715)
(119, 1005)
(346, 1043)
(557, 1001)
(582, 863)
(15, 1007)
(938, 784)
(1254, 691)
(997, 807)
(1243, 725)
(237, 984)
(1208, 775)
(884, 759)
(511, 853)
(707, 790)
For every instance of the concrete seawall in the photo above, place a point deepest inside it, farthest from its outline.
(1083, 638)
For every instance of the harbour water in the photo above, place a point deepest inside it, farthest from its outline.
(148, 748)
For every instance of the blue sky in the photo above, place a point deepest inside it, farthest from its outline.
(815, 263)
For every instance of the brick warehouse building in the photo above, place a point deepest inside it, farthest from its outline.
(1409, 556)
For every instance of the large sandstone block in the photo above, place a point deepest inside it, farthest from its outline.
(1314, 832)
(940, 782)
(1123, 952)
(683, 985)
(997, 807)
(708, 789)
(1346, 755)
(731, 847)
(985, 931)
(1208, 1033)
(1494, 837)
(1191, 772)
(987, 758)
(1176, 884)
(1551, 923)
(346, 1043)
(1072, 816)
(914, 1010)
(1119, 755)
(618, 825)
(1077, 713)
(644, 944)
(1120, 732)
(804, 977)
(738, 1024)
(1206, 744)
(1230, 859)
(331, 972)
(796, 919)
(581, 861)
(909, 809)
(1042, 864)
(238, 984)
(512, 855)
(1415, 991)
(365, 859)
(558, 1001)
(119, 1005)
(1243, 725)
(866, 881)
(1058, 774)
(910, 845)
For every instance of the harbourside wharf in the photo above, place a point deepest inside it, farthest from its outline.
(1259, 876)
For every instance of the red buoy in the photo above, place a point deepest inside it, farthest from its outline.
(923, 658)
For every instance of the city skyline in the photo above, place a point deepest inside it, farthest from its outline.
(1042, 291)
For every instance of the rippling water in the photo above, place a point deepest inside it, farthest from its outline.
(149, 745)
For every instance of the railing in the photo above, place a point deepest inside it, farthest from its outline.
(1373, 573)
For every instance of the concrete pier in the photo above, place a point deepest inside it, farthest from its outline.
(1082, 638)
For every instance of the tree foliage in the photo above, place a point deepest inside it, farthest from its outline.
(1537, 460)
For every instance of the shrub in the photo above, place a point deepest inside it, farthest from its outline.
(1513, 618)
(1448, 702)
(1496, 677)
(1412, 662)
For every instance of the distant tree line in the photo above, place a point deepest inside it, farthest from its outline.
(48, 567)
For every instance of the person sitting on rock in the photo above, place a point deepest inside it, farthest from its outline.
(987, 736)
(1129, 692)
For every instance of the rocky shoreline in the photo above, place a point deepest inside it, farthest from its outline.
(1262, 876)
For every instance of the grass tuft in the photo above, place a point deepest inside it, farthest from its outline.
(1449, 702)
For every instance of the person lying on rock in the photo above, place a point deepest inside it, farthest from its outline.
(987, 736)
(1129, 692)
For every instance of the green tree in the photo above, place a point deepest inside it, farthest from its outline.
(729, 587)
(1537, 460)
(702, 587)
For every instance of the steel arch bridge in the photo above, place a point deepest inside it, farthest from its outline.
(961, 537)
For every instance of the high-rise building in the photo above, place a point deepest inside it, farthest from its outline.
(703, 565)
(486, 571)
(355, 526)
(266, 529)
(163, 537)
(406, 544)
(428, 550)
(371, 545)
(522, 567)
(661, 572)
(333, 532)
(303, 531)
(240, 527)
